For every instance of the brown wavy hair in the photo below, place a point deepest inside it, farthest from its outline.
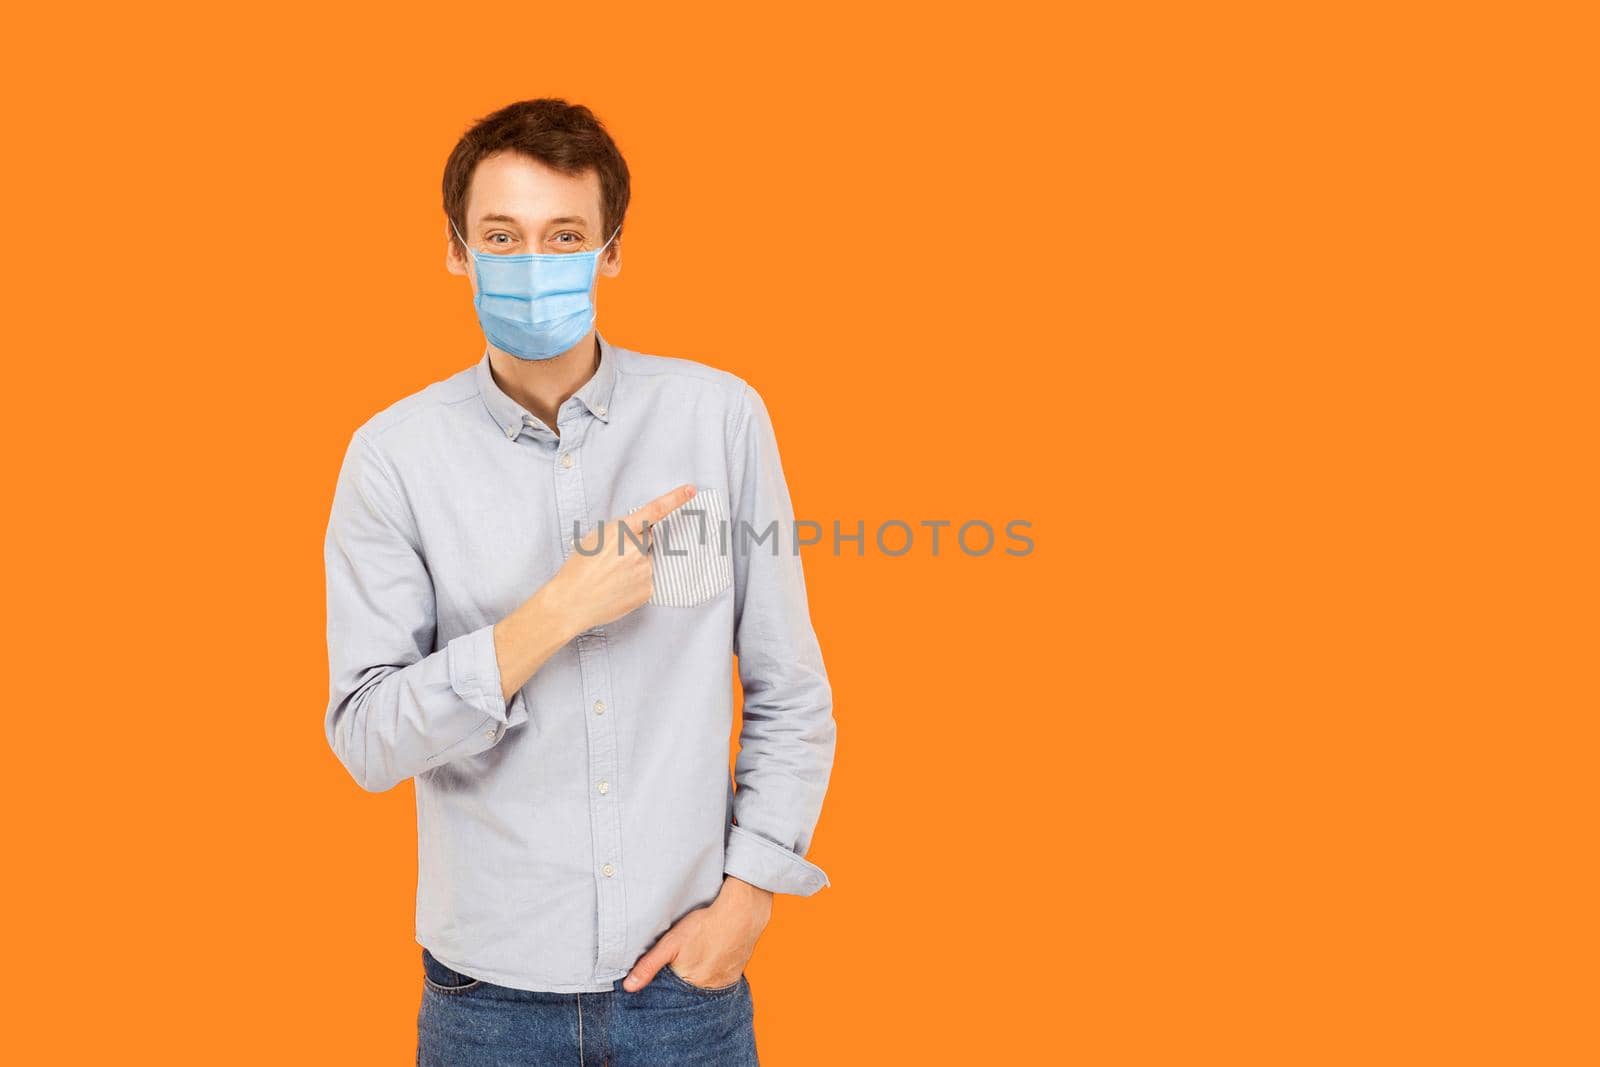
(565, 137)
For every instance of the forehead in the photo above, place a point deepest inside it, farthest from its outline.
(513, 184)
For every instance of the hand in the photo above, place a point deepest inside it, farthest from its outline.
(609, 572)
(711, 945)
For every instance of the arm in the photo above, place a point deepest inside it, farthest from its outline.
(786, 744)
(396, 705)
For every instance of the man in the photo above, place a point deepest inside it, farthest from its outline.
(539, 571)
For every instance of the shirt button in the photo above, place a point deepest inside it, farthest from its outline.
(489, 734)
(599, 707)
(601, 410)
(608, 870)
(511, 432)
(604, 786)
(566, 461)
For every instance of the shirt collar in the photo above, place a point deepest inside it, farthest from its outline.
(595, 394)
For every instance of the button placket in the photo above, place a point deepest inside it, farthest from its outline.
(605, 815)
(594, 669)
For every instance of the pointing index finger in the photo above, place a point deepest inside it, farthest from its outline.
(662, 506)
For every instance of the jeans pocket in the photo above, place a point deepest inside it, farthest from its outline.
(444, 980)
(710, 991)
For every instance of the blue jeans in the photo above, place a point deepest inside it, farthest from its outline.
(465, 1022)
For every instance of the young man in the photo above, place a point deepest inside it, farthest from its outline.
(539, 571)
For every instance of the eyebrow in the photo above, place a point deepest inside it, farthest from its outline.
(579, 219)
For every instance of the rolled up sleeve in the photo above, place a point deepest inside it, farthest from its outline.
(786, 744)
(475, 672)
(397, 705)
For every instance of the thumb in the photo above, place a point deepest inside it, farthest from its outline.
(644, 971)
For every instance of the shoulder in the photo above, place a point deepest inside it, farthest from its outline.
(418, 417)
(678, 380)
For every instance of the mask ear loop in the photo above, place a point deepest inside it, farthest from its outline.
(601, 250)
(593, 318)
(464, 246)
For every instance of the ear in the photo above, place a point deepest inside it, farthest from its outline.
(455, 260)
(611, 261)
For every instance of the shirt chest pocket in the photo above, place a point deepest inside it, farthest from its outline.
(690, 552)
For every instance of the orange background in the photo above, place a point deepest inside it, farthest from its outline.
(1276, 321)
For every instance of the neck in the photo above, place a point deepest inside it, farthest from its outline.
(543, 385)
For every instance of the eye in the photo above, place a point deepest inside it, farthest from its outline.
(576, 238)
(495, 238)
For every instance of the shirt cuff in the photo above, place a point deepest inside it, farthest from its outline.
(475, 673)
(754, 859)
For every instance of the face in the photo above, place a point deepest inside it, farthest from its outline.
(516, 204)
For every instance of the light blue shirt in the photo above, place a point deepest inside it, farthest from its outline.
(561, 834)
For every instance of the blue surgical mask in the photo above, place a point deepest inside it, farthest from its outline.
(535, 305)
